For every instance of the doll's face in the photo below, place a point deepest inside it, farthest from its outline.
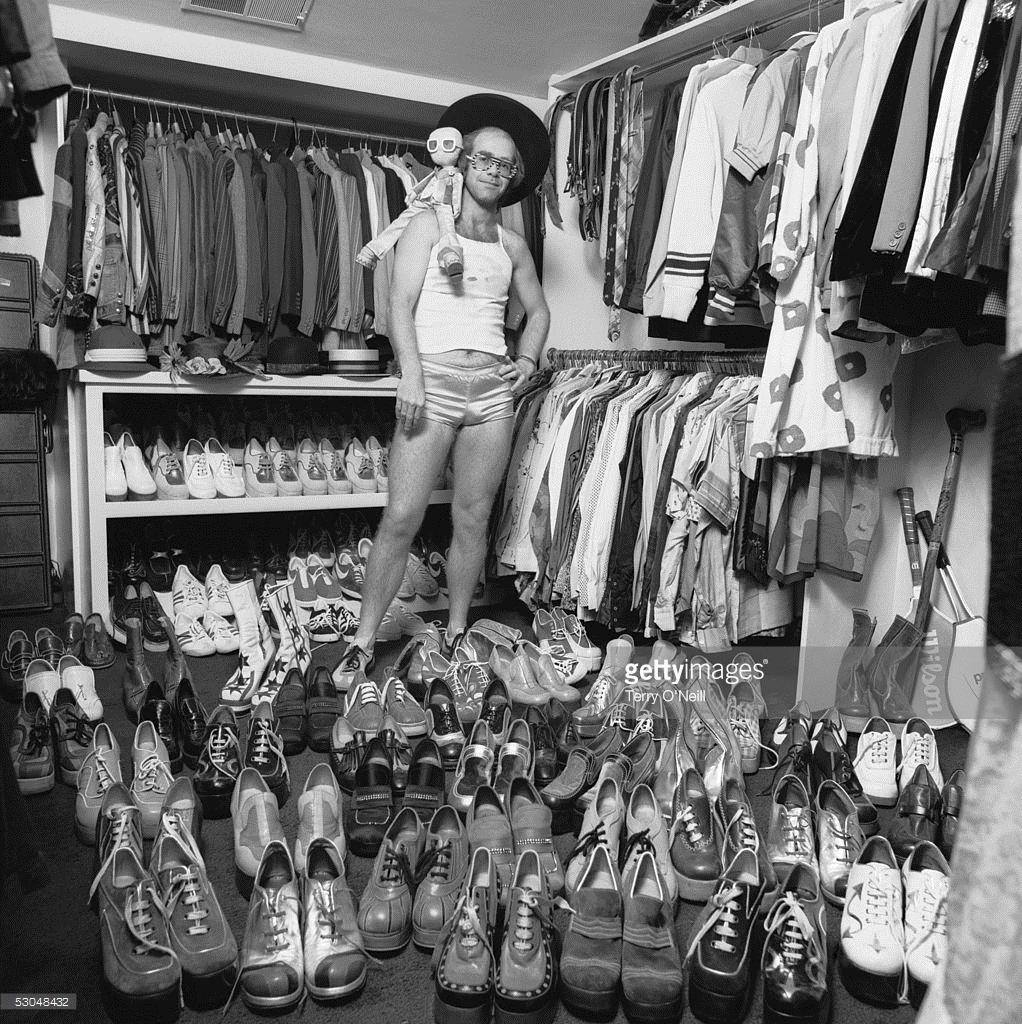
(444, 146)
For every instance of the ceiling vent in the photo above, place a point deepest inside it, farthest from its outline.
(286, 14)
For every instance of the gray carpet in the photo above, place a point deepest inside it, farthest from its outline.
(50, 941)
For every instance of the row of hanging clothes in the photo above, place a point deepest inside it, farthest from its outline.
(849, 190)
(632, 498)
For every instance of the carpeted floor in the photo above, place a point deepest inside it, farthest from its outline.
(50, 942)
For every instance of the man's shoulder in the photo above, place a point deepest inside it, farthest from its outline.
(514, 242)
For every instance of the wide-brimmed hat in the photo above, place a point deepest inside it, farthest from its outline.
(114, 348)
(490, 110)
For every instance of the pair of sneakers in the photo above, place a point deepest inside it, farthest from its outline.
(127, 476)
(367, 465)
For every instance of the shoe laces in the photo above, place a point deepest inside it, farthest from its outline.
(200, 465)
(217, 590)
(721, 920)
(37, 736)
(880, 900)
(437, 861)
(342, 618)
(588, 841)
(274, 912)
(453, 679)
(395, 867)
(599, 695)
(799, 941)
(225, 464)
(798, 832)
(103, 776)
(169, 464)
(74, 727)
(529, 908)
(153, 774)
(397, 692)
(846, 849)
(264, 464)
(747, 834)
(187, 886)
(223, 742)
(639, 841)
(365, 466)
(191, 591)
(355, 660)
(795, 762)
(350, 754)
(125, 833)
(368, 695)
(619, 717)
(265, 745)
(141, 905)
(382, 462)
(469, 929)
(880, 749)
(645, 724)
(920, 751)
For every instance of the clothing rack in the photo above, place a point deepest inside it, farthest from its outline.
(239, 118)
(737, 363)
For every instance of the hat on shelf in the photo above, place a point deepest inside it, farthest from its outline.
(292, 356)
(490, 110)
(115, 348)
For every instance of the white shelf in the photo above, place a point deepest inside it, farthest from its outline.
(771, 21)
(243, 506)
(157, 382)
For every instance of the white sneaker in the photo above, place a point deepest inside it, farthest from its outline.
(422, 580)
(198, 475)
(141, 486)
(228, 478)
(168, 474)
(311, 471)
(115, 482)
(876, 763)
(216, 592)
(333, 462)
(927, 880)
(188, 594)
(285, 474)
(260, 481)
(224, 634)
(380, 456)
(918, 746)
(358, 465)
(194, 640)
(81, 681)
(872, 933)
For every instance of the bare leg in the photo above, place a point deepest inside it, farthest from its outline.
(415, 461)
(480, 461)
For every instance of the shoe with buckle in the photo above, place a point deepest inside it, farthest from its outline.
(790, 837)
(363, 707)
(795, 984)
(608, 689)
(197, 929)
(917, 814)
(158, 710)
(272, 975)
(319, 814)
(581, 771)
(444, 725)
(256, 820)
(830, 760)
(871, 957)
(219, 763)
(694, 849)
(442, 869)
(591, 957)
(346, 749)
(926, 877)
(265, 752)
(425, 784)
(290, 707)
(531, 829)
(839, 840)
(876, 763)
(918, 746)
(463, 959)
(488, 825)
(354, 666)
(738, 831)
(647, 831)
(951, 798)
(385, 909)
(721, 968)
(397, 702)
(371, 808)
(151, 776)
(632, 765)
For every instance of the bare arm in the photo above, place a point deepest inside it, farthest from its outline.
(530, 293)
(410, 261)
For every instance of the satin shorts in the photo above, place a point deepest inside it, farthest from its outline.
(463, 397)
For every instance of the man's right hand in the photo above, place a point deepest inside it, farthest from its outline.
(411, 398)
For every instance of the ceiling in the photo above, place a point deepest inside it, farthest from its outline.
(510, 45)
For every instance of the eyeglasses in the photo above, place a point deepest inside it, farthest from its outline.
(445, 145)
(483, 162)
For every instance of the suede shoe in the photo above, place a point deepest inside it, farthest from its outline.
(100, 770)
(917, 815)
(256, 819)
(151, 776)
(181, 806)
(591, 959)
(363, 707)
(531, 823)
(371, 808)
(581, 771)
(346, 750)
(336, 964)
(647, 831)
(652, 988)
(265, 752)
(158, 710)
(442, 870)
(290, 708)
(398, 703)
(385, 909)
(426, 783)
(488, 825)
(601, 825)
(191, 722)
(119, 826)
(319, 814)
(322, 710)
(695, 854)
(72, 735)
(219, 763)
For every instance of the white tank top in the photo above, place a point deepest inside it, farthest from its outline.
(466, 312)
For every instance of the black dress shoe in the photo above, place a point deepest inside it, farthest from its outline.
(219, 764)
(191, 722)
(371, 808)
(154, 637)
(265, 752)
(346, 750)
(917, 814)
(158, 710)
(443, 722)
(544, 747)
(951, 798)
(830, 762)
(322, 710)
(425, 790)
(496, 710)
(289, 705)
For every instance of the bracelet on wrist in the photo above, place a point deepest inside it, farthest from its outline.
(531, 360)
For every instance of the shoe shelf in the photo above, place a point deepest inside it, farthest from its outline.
(90, 511)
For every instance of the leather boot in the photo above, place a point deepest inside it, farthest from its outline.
(175, 667)
(852, 693)
(238, 690)
(137, 676)
(293, 650)
(891, 700)
(265, 636)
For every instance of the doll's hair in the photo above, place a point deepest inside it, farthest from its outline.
(469, 148)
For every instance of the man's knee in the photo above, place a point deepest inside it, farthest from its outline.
(470, 516)
(401, 522)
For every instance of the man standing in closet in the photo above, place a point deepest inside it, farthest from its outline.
(457, 378)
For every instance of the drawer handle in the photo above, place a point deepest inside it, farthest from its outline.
(47, 435)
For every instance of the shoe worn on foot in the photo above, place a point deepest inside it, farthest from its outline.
(694, 851)
(872, 952)
(917, 815)
(336, 964)
(158, 710)
(876, 763)
(272, 965)
(355, 664)
(721, 968)
(371, 808)
(32, 747)
(926, 876)
(795, 956)
(265, 752)
(256, 820)
(441, 869)
(219, 763)
(385, 909)
(839, 839)
(100, 770)
(319, 814)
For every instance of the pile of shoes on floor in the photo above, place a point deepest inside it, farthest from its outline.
(456, 777)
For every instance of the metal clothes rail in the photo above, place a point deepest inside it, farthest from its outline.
(732, 362)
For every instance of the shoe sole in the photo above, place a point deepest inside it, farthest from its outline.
(772, 1015)
(542, 1014)
(69, 776)
(156, 646)
(694, 890)
(882, 800)
(652, 1013)
(326, 995)
(33, 787)
(424, 939)
(453, 1013)
(386, 943)
(85, 832)
(216, 807)
(138, 496)
(715, 1008)
(208, 991)
(867, 987)
(272, 1002)
(587, 1004)
(159, 1007)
